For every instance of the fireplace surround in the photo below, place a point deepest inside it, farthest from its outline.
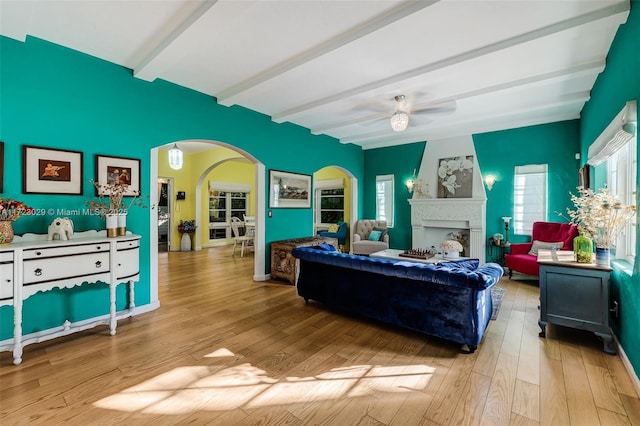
(433, 218)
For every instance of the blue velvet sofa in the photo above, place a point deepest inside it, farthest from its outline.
(451, 300)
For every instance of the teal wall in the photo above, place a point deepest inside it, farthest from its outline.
(399, 161)
(54, 97)
(617, 84)
(498, 153)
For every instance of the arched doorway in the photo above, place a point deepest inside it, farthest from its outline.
(337, 177)
(259, 257)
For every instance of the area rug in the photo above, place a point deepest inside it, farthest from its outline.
(497, 294)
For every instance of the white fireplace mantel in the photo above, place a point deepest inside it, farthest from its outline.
(453, 213)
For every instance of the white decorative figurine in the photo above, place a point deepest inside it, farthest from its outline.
(62, 228)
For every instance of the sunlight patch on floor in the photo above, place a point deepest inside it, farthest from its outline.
(195, 388)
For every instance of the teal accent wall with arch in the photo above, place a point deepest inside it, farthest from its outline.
(55, 97)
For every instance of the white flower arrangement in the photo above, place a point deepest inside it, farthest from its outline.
(451, 245)
(600, 215)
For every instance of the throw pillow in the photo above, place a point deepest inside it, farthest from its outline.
(383, 232)
(537, 245)
(375, 236)
(334, 228)
(324, 247)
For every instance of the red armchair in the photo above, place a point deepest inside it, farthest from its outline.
(550, 232)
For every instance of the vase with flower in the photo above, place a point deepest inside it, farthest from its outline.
(451, 249)
(10, 210)
(601, 217)
(111, 204)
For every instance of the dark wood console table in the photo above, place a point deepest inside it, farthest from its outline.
(283, 264)
(574, 295)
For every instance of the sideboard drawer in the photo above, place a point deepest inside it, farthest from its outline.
(130, 244)
(6, 256)
(41, 253)
(57, 268)
(6, 280)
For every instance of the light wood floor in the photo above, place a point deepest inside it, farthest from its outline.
(225, 350)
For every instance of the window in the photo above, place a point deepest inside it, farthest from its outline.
(329, 202)
(330, 206)
(385, 199)
(529, 197)
(621, 179)
(616, 150)
(226, 200)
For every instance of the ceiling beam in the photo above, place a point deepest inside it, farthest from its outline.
(593, 67)
(16, 19)
(404, 9)
(557, 27)
(142, 70)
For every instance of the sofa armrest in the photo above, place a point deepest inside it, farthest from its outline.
(520, 248)
(356, 238)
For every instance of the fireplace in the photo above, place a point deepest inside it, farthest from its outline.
(432, 219)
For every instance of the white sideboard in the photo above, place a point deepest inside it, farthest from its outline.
(31, 264)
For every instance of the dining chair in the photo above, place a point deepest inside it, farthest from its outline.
(245, 241)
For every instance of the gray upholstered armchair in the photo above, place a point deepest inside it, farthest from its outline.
(364, 243)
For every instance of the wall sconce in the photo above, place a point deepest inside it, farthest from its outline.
(411, 182)
(489, 180)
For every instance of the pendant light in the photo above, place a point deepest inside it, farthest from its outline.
(175, 157)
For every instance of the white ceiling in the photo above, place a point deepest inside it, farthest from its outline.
(334, 66)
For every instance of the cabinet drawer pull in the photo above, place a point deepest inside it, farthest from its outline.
(8, 280)
(38, 253)
(38, 272)
(98, 264)
(98, 248)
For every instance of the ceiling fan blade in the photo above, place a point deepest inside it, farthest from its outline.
(444, 107)
(419, 119)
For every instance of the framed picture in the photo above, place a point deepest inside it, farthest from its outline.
(289, 190)
(51, 171)
(1, 166)
(583, 176)
(118, 170)
(455, 177)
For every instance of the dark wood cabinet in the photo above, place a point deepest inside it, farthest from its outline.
(283, 264)
(574, 295)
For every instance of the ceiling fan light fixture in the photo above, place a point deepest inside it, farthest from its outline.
(399, 121)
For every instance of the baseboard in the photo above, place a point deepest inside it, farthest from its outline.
(147, 308)
(265, 277)
(70, 328)
(627, 365)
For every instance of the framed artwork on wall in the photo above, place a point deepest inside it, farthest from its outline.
(289, 190)
(117, 171)
(1, 166)
(51, 171)
(455, 177)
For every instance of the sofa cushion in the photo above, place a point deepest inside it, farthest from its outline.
(543, 245)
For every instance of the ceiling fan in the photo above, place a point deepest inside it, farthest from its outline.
(403, 111)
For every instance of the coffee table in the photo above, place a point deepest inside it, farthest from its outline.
(394, 254)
